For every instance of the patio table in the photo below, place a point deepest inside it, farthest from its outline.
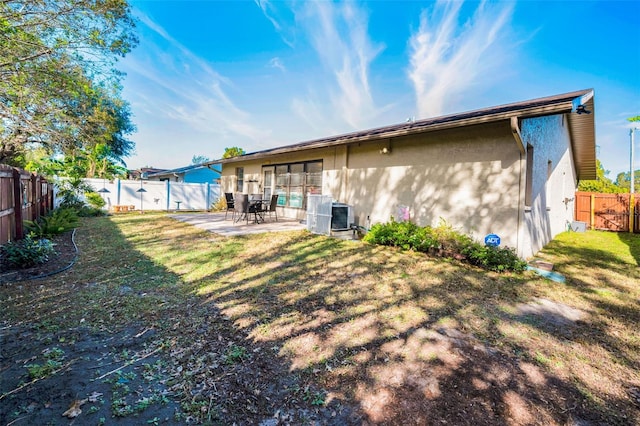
(245, 207)
(258, 207)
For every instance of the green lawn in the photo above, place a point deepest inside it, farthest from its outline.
(398, 335)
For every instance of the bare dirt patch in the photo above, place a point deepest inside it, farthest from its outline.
(45, 371)
(553, 313)
(130, 352)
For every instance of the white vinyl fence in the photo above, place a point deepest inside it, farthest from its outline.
(157, 195)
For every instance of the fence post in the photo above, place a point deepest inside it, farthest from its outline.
(208, 200)
(39, 198)
(17, 204)
(34, 197)
(631, 212)
(168, 194)
(592, 209)
(50, 191)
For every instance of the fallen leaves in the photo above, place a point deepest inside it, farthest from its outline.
(74, 410)
(94, 397)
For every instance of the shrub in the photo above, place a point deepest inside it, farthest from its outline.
(87, 211)
(449, 238)
(410, 236)
(95, 200)
(397, 234)
(70, 192)
(380, 233)
(403, 233)
(423, 239)
(56, 222)
(27, 252)
(499, 259)
(220, 205)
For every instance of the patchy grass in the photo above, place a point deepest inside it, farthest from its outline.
(306, 326)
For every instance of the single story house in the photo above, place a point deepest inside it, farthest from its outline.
(195, 173)
(510, 170)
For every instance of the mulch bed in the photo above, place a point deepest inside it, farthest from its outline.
(65, 255)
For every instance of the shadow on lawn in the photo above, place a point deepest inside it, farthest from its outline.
(361, 322)
(167, 357)
(294, 327)
(608, 285)
(633, 242)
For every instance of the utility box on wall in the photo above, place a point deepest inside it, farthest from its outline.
(577, 226)
(341, 217)
(324, 215)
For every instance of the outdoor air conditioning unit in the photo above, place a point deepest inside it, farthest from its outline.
(341, 217)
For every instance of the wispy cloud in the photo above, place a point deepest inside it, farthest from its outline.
(187, 90)
(277, 63)
(448, 59)
(277, 17)
(338, 34)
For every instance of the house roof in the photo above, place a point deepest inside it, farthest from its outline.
(185, 169)
(581, 127)
(145, 171)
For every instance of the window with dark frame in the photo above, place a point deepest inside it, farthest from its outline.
(294, 181)
(239, 179)
(528, 192)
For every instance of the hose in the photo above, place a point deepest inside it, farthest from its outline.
(48, 274)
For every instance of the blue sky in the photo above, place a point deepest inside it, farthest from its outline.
(259, 74)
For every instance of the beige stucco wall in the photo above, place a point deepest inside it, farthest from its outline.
(469, 177)
(473, 177)
(554, 181)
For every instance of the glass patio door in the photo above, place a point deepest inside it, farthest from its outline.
(267, 182)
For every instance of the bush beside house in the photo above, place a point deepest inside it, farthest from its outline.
(444, 240)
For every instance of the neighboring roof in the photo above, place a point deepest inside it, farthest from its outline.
(186, 169)
(581, 126)
(145, 170)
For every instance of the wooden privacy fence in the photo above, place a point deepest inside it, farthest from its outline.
(23, 196)
(609, 212)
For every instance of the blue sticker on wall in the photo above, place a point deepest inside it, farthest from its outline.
(492, 240)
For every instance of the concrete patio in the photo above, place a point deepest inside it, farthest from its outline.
(216, 223)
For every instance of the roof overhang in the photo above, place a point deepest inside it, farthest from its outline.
(581, 126)
(583, 137)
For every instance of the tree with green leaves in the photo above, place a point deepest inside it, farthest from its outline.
(199, 159)
(601, 184)
(97, 162)
(59, 89)
(233, 152)
(623, 181)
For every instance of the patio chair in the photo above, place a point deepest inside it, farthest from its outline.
(241, 206)
(272, 206)
(230, 205)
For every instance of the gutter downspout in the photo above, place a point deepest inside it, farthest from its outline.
(515, 131)
(168, 194)
(219, 171)
(213, 168)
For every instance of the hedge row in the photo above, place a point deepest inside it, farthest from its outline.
(444, 240)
